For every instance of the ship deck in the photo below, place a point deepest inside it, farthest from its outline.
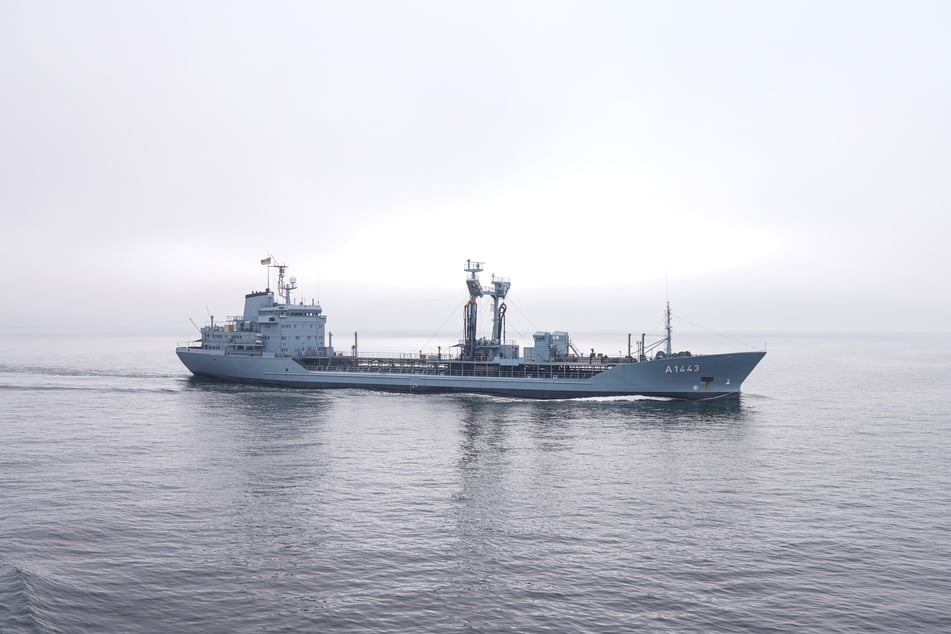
(456, 367)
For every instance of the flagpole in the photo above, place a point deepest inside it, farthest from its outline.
(267, 262)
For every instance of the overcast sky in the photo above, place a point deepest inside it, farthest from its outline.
(771, 166)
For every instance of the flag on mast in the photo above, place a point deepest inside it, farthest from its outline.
(266, 260)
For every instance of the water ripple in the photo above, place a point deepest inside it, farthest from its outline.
(150, 502)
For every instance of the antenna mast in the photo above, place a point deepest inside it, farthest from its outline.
(285, 289)
(668, 328)
(667, 314)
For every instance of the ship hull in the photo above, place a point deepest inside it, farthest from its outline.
(693, 378)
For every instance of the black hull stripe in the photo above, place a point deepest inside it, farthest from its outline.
(515, 393)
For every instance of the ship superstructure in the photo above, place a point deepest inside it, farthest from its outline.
(270, 329)
(286, 343)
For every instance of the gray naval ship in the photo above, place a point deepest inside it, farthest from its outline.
(285, 344)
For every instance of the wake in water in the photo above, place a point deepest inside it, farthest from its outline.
(38, 378)
(86, 372)
(19, 611)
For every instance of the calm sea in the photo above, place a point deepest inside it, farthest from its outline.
(133, 499)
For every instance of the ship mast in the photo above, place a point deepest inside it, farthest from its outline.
(668, 328)
(472, 308)
(284, 290)
(498, 291)
(500, 288)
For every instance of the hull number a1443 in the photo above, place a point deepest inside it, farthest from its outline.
(688, 367)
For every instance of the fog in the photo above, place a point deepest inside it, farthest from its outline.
(768, 167)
